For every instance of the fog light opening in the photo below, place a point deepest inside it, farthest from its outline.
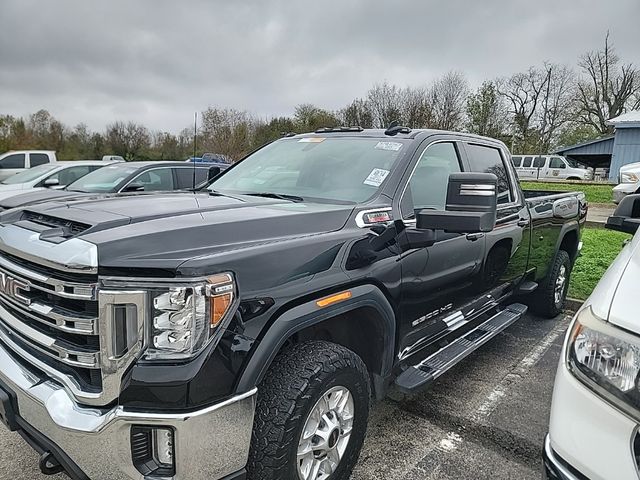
(153, 451)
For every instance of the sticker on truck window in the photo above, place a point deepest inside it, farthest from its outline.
(390, 146)
(376, 177)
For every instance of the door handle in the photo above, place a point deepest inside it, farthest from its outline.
(523, 222)
(474, 236)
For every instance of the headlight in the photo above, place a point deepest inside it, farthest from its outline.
(185, 317)
(628, 177)
(607, 359)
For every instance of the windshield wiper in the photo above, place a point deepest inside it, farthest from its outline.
(281, 196)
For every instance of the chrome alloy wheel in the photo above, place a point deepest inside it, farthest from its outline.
(561, 282)
(325, 435)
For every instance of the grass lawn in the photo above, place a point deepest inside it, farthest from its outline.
(600, 248)
(594, 193)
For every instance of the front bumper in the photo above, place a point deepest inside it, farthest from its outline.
(587, 435)
(555, 468)
(209, 444)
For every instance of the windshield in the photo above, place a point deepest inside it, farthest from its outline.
(30, 174)
(105, 179)
(341, 169)
(574, 164)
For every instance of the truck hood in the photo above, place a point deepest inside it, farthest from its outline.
(614, 297)
(164, 230)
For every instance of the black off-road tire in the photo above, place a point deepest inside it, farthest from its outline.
(299, 376)
(543, 301)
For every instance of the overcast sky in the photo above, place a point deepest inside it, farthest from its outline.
(158, 61)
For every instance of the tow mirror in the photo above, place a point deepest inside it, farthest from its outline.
(471, 205)
(626, 218)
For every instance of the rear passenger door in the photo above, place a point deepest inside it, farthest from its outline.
(507, 246)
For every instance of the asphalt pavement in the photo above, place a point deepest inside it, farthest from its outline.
(484, 419)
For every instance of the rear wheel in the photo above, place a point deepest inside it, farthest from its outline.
(548, 299)
(311, 414)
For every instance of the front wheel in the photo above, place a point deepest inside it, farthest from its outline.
(548, 299)
(311, 414)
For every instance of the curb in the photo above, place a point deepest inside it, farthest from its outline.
(573, 304)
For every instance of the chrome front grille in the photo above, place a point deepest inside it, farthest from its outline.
(56, 317)
(52, 319)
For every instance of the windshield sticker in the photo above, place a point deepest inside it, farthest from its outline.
(311, 140)
(390, 146)
(376, 177)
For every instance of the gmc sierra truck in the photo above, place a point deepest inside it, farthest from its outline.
(241, 331)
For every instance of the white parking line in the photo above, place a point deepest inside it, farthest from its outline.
(520, 370)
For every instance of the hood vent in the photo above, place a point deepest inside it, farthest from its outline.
(69, 226)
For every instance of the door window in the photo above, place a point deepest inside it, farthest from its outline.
(526, 163)
(155, 180)
(517, 161)
(539, 162)
(13, 161)
(36, 159)
(71, 174)
(184, 177)
(428, 185)
(489, 160)
(556, 162)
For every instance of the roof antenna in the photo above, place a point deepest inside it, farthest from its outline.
(195, 140)
(394, 128)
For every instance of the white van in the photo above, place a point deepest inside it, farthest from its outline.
(549, 167)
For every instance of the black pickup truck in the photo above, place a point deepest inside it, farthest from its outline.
(241, 331)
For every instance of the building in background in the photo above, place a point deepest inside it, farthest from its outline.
(612, 152)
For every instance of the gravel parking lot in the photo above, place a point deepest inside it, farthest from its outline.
(485, 419)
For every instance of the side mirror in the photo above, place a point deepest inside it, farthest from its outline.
(51, 182)
(134, 187)
(471, 205)
(626, 218)
(213, 172)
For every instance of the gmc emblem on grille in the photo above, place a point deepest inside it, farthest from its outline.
(13, 288)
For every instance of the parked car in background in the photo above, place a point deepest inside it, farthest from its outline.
(16, 161)
(628, 182)
(51, 175)
(122, 177)
(594, 430)
(318, 273)
(549, 167)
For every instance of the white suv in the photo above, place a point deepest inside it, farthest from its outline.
(595, 411)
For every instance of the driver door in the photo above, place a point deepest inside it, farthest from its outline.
(437, 278)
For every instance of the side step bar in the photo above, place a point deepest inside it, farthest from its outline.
(418, 376)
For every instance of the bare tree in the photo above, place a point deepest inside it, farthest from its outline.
(127, 139)
(416, 110)
(357, 113)
(385, 101)
(555, 105)
(226, 131)
(607, 88)
(523, 92)
(447, 100)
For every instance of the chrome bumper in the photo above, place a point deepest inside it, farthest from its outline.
(209, 443)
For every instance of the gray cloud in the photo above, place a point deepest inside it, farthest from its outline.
(158, 61)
